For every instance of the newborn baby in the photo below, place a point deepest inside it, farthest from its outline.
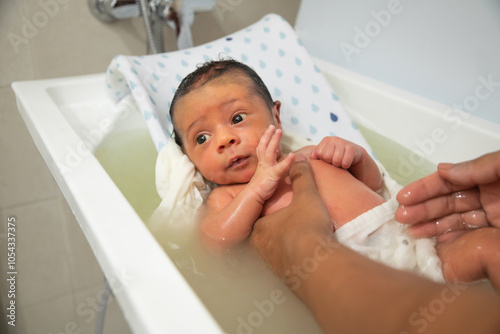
(226, 122)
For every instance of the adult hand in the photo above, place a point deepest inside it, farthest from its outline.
(469, 256)
(306, 212)
(457, 197)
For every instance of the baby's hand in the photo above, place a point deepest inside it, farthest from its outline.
(338, 152)
(269, 171)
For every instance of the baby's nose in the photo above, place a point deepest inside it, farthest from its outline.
(226, 143)
(226, 139)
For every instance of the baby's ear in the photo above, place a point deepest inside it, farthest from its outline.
(276, 114)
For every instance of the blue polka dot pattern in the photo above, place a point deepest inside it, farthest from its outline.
(309, 106)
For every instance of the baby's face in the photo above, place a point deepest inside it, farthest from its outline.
(220, 125)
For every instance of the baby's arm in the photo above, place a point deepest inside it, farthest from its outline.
(229, 218)
(347, 155)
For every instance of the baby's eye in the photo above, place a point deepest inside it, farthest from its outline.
(239, 118)
(202, 138)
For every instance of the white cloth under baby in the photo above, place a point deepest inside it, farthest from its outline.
(377, 235)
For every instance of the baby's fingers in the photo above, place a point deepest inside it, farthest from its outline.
(323, 151)
(273, 146)
(264, 143)
(268, 145)
(284, 165)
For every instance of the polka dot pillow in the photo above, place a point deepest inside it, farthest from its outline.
(271, 47)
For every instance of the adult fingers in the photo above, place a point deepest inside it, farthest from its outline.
(302, 177)
(456, 202)
(270, 231)
(454, 222)
(483, 170)
(307, 206)
(426, 188)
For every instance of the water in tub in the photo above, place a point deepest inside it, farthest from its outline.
(239, 289)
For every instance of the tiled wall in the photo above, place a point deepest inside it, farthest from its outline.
(58, 277)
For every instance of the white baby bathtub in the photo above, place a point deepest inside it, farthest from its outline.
(69, 117)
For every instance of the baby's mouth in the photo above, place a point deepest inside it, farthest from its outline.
(237, 162)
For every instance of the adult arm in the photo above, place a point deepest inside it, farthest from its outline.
(349, 293)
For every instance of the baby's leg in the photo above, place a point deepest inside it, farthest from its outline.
(471, 256)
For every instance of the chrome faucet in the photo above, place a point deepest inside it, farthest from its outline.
(156, 11)
(111, 10)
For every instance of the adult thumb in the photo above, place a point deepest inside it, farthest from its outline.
(302, 177)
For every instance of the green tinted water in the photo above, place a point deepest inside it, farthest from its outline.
(403, 165)
(129, 158)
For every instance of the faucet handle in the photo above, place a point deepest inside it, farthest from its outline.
(111, 10)
(125, 9)
(165, 9)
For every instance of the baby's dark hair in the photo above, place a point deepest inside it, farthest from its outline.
(211, 70)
